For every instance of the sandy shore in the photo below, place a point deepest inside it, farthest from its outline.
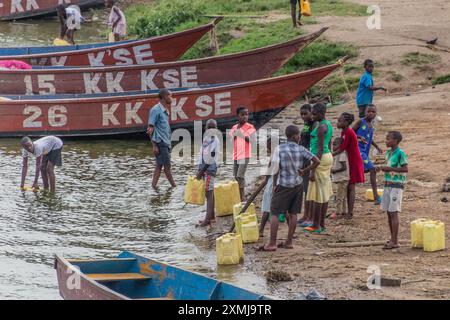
(423, 117)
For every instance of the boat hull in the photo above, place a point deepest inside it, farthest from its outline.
(246, 66)
(14, 10)
(142, 52)
(128, 114)
(130, 276)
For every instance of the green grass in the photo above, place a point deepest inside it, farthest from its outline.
(442, 79)
(335, 87)
(166, 16)
(418, 59)
(395, 76)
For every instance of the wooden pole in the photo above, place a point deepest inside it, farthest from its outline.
(360, 244)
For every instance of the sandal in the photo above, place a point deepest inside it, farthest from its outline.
(305, 224)
(390, 246)
(314, 230)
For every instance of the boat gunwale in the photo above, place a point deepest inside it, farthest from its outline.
(72, 267)
(112, 46)
(61, 70)
(178, 92)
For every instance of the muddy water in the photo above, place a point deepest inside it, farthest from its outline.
(42, 32)
(103, 204)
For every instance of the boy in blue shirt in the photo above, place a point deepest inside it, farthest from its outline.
(366, 88)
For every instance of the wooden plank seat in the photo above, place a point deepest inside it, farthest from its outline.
(117, 276)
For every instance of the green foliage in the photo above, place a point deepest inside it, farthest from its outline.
(442, 79)
(164, 18)
(417, 58)
(317, 54)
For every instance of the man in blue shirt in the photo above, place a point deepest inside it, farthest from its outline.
(364, 95)
(160, 134)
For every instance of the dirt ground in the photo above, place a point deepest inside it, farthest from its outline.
(423, 117)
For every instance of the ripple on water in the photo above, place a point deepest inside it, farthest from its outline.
(104, 204)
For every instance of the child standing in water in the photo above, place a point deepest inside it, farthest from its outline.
(395, 176)
(355, 162)
(207, 168)
(364, 130)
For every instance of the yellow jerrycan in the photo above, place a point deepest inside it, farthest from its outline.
(433, 236)
(417, 232)
(194, 192)
(305, 8)
(238, 207)
(60, 42)
(243, 218)
(369, 194)
(226, 195)
(227, 249)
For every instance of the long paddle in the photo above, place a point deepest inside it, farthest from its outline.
(244, 208)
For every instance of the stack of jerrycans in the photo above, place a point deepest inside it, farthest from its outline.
(428, 234)
(246, 223)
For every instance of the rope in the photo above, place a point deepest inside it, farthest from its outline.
(345, 84)
(213, 42)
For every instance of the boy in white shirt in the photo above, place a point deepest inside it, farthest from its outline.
(47, 151)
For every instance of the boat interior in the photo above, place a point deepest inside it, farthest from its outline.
(139, 278)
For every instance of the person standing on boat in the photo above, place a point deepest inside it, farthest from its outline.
(116, 20)
(70, 19)
(160, 134)
(47, 151)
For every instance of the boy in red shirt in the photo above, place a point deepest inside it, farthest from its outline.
(243, 134)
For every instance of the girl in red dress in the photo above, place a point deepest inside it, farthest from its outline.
(355, 162)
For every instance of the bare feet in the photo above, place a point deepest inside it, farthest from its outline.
(285, 245)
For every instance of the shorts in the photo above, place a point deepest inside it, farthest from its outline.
(391, 201)
(54, 157)
(294, 1)
(163, 157)
(267, 196)
(286, 200)
(239, 169)
(209, 182)
(368, 164)
(362, 110)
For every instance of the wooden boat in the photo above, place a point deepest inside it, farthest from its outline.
(245, 66)
(20, 9)
(147, 51)
(113, 114)
(133, 277)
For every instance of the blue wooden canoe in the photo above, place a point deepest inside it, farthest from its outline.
(133, 277)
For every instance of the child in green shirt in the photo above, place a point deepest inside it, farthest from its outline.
(395, 179)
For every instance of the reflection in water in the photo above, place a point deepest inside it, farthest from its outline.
(103, 205)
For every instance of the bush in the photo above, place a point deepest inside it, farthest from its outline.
(442, 79)
(164, 18)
